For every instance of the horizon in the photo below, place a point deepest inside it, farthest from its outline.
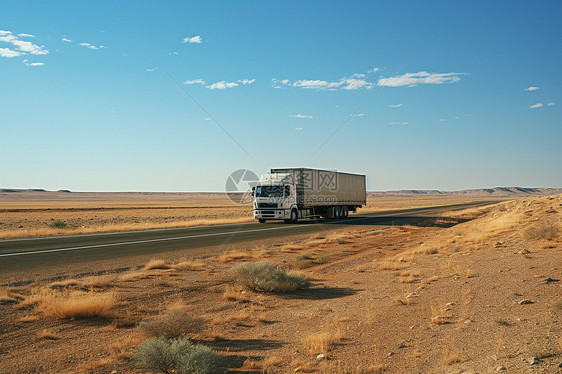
(3, 190)
(171, 97)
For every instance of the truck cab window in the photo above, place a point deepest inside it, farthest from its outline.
(287, 191)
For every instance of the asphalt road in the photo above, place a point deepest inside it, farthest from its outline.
(27, 254)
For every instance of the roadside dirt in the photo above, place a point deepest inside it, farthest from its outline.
(475, 291)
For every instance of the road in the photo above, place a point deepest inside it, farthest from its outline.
(27, 254)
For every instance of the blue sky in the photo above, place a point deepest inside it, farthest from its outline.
(456, 94)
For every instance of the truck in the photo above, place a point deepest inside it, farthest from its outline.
(290, 194)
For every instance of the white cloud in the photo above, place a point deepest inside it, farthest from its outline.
(355, 84)
(442, 120)
(537, 105)
(173, 53)
(221, 85)
(33, 63)
(153, 69)
(208, 119)
(22, 46)
(224, 84)
(91, 46)
(316, 84)
(246, 81)
(300, 116)
(196, 81)
(551, 104)
(422, 77)
(359, 115)
(299, 128)
(7, 52)
(358, 81)
(532, 88)
(398, 123)
(22, 35)
(193, 40)
(373, 70)
(66, 40)
(276, 83)
(395, 106)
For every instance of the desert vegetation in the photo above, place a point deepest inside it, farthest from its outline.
(365, 299)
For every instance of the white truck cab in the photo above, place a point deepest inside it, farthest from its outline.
(275, 197)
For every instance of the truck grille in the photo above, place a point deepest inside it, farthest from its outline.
(267, 205)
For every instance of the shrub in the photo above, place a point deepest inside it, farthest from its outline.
(176, 356)
(200, 360)
(263, 276)
(77, 305)
(174, 323)
(161, 354)
(548, 231)
(58, 224)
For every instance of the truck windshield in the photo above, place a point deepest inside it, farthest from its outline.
(269, 191)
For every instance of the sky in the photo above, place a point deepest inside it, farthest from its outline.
(173, 96)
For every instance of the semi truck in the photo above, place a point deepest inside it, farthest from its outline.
(290, 194)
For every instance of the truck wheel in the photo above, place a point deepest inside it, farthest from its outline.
(337, 212)
(344, 212)
(261, 220)
(294, 216)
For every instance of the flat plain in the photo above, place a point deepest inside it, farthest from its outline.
(473, 290)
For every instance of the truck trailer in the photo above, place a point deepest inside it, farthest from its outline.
(292, 193)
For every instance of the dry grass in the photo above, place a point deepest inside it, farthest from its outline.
(133, 276)
(409, 279)
(156, 264)
(77, 304)
(175, 322)
(455, 358)
(543, 231)
(48, 335)
(235, 294)
(265, 277)
(236, 317)
(322, 342)
(189, 265)
(30, 318)
(393, 265)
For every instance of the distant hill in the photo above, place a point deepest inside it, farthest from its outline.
(479, 192)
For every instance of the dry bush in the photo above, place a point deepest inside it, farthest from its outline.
(237, 317)
(176, 356)
(543, 231)
(235, 294)
(46, 334)
(27, 319)
(265, 277)
(67, 283)
(455, 358)
(271, 361)
(77, 304)
(133, 276)
(376, 369)
(408, 279)
(322, 342)
(156, 264)
(175, 322)
(393, 265)
(125, 321)
(189, 265)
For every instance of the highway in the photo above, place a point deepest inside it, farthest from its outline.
(25, 254)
